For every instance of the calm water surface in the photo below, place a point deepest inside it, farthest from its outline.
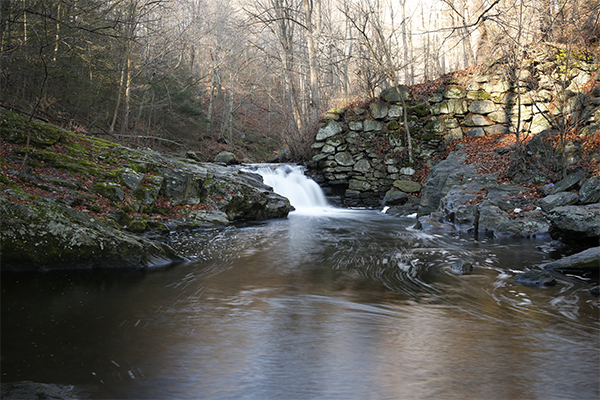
(343, 305)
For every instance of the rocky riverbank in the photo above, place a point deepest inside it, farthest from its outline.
(75, 201)
(486, 151)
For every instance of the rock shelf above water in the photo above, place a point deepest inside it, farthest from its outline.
(81, 202)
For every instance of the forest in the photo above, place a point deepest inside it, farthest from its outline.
(251, 76)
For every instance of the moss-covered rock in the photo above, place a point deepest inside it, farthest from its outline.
(419, 109)
(110, 190)
(14, 128)
(64, 162)
(80, 229)
(45, 235)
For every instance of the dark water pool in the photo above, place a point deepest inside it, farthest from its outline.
(349, 305)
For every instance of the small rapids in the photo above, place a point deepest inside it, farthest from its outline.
(327, 303)
(289, 181)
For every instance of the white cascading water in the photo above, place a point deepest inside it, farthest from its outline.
(289, 180)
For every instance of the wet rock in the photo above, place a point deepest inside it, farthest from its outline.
(586, 260)
(204, 219)
(26, 390)
(461, 267)
(535, 278)
(576, 224)
(442, 178)
(458, 206)
(44, 235)
(435, 223)
(394, 198)
(410, 207)
(490, 217)
(523, 228)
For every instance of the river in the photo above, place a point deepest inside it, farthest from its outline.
(325, 304)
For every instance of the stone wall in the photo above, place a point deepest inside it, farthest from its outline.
(360, 153)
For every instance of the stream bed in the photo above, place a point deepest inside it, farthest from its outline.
(340, 304)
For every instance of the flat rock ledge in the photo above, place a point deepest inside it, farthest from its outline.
(587, 260)
(44, 234)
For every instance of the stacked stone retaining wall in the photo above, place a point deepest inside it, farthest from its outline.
(360, 153)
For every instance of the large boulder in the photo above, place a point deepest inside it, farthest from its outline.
(394, 198)
(576, 224)
(243, 195)
(44, 234)
(490, 217)
(225, 157)
(442, 178)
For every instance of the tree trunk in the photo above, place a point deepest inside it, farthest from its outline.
(314, 103)
(125, 124)
(116, 111)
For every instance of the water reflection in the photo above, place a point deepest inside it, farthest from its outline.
(355, 307)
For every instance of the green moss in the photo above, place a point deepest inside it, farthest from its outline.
(94, 208)
(14, 128)
(102, 144)
(77, 150)
(157, 226)
(418, 109)
(63, 161)
(393, 126)
(478, 95)
(6, 181)
(34, 163)
(110, 190)
(137, 225)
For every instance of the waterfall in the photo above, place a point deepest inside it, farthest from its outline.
(289, 180)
